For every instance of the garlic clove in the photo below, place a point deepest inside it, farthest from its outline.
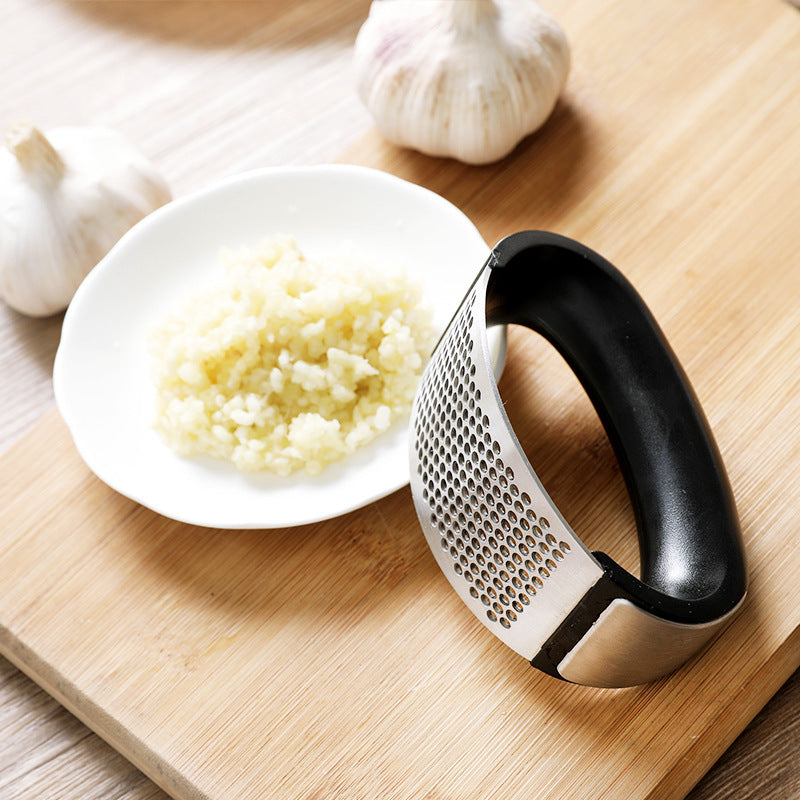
(65, 200)
(467, 79)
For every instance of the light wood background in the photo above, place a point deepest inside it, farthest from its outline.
(211, 88)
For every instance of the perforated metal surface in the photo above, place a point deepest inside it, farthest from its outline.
(492, 528)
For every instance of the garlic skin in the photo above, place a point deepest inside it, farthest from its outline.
(467, 79)
(65, 200)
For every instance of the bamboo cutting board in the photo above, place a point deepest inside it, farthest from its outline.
(333, 660)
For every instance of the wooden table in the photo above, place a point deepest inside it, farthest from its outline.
(207, 89)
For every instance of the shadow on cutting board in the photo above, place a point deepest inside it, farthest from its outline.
(549, 172)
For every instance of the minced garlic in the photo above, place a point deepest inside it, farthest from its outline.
(289, 363)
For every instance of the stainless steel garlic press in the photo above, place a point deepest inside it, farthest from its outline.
(495, 532)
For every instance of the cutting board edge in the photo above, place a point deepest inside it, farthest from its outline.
(706, 749)
(91, 714)
(775, 670)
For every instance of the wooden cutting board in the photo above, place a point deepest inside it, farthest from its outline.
(333, 660)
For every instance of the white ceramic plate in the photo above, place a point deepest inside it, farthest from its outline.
(101, 375)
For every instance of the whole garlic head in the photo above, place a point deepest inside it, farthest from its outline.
(65, 200)
(461, 78)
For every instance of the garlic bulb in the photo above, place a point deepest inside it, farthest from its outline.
(461, 78)
(65, 200)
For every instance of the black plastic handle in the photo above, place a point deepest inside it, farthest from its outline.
(692, 556)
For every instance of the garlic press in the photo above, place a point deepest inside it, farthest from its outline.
(490, 524)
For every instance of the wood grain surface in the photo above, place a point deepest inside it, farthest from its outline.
(673, 152)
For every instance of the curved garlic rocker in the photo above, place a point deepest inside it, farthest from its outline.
(495, 532)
